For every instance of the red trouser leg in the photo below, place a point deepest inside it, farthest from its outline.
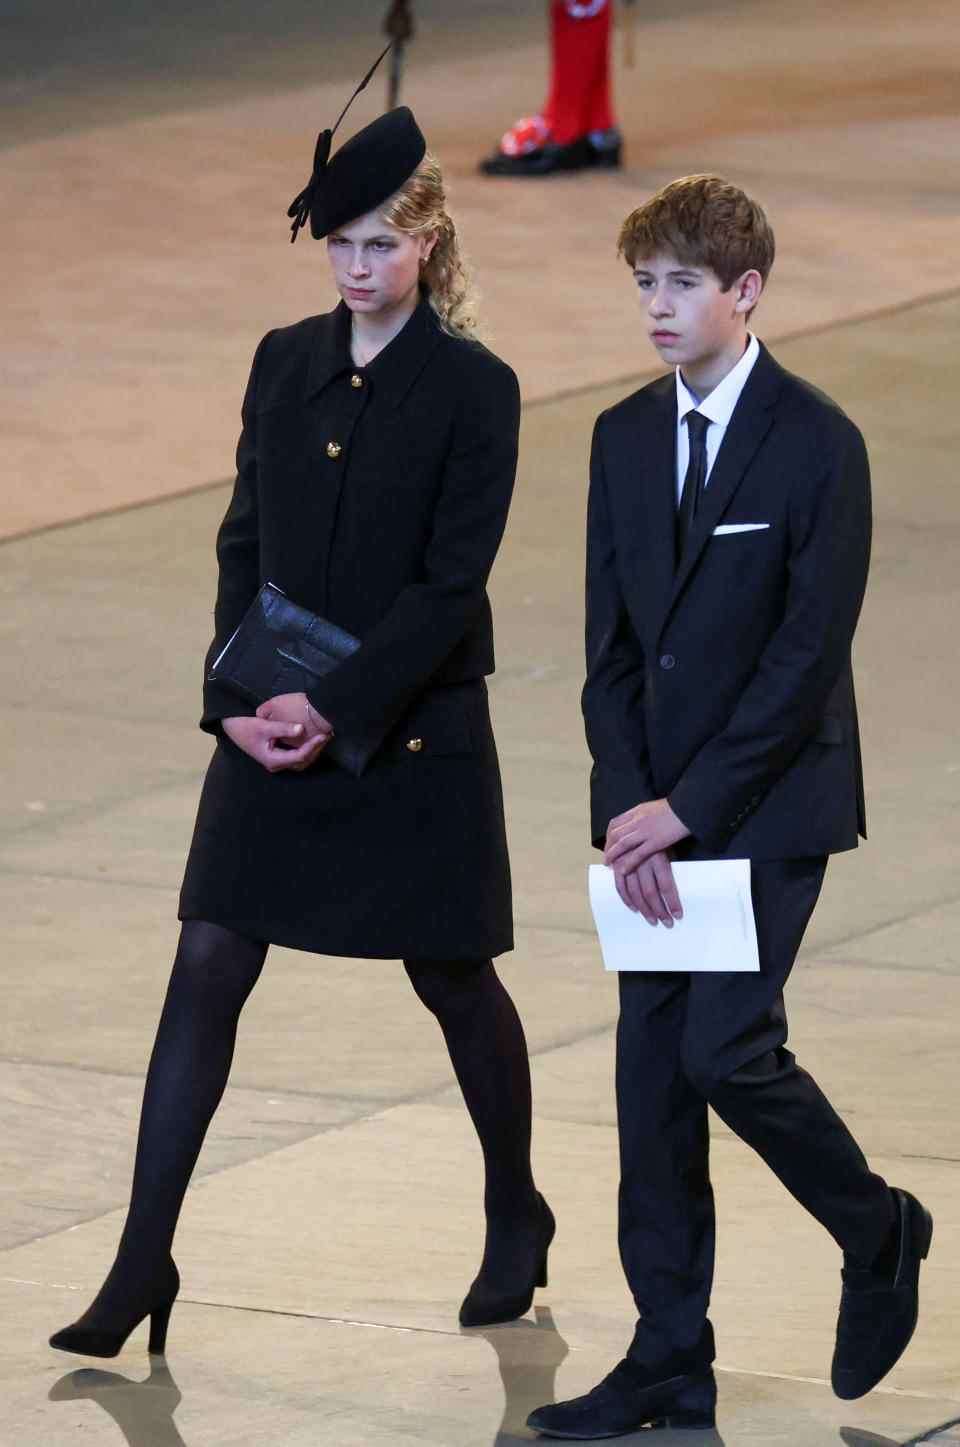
(580, 73)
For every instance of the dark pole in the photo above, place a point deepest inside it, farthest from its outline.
(399, 26)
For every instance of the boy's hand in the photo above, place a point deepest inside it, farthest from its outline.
(651, 890)
(634, 837)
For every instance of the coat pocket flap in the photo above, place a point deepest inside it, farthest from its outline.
(438, 723)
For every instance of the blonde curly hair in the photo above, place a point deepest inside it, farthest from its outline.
(419, 208)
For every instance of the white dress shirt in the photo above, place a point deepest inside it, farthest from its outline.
(718, 406)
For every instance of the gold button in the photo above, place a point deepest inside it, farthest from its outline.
(414, 745)
(356, 380)
(334, 449)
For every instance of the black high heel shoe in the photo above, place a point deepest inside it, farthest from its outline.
(91, 1336)
(483, 1307)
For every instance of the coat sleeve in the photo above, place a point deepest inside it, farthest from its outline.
(368, 693)
(238, 556)
(783, 704)
(613, 704)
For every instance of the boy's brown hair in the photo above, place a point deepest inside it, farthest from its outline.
(702, 221)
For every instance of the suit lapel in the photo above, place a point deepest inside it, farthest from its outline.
(749, 425)
(653, 503)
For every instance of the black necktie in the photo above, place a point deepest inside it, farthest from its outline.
(695, 480)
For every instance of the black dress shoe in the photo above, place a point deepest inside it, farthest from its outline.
(878, 1307)
(545, 161)
(603, 149)
(482, 1306)
(606, 149)
(629, 1398)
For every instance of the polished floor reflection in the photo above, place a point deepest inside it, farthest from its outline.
(336, 1219)
(142, 1408)
(947, 1433)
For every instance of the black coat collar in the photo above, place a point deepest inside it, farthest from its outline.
(392, 371)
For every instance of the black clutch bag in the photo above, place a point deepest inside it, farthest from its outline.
(282, 648)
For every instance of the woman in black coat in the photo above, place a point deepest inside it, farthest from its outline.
(375, 469)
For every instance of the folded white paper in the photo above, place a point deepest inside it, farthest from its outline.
(717, 932)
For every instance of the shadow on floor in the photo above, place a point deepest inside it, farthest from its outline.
(528, 1354)
(142, 1410)
(853, 1437)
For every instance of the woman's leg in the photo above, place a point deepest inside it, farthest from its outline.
(488, 1051)
(213, 973)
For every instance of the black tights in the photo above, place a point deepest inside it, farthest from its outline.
(488, 1052)
(213, 974)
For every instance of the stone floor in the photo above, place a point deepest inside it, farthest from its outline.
(145, 240)
(335, 1220)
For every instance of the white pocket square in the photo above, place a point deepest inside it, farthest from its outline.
(725, 529)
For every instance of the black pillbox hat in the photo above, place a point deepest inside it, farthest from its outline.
(364, 173)
(366, 170)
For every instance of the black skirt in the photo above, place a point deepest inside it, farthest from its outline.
(409, 861)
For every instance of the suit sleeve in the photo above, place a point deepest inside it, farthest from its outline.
(368, 693)
(783, 704)
(613, 704)
(238, 557)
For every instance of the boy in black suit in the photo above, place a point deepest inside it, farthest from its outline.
(728, 540)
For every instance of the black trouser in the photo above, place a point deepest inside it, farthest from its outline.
(688, 1040)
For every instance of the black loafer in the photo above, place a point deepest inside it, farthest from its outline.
(630, 1398)
(878, 1309)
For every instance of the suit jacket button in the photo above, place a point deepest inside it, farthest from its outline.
(334, 449)
(667, 660)
(414, 745)
(356, 380)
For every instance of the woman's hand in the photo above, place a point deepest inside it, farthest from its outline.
(295, 708)
(275, 744)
